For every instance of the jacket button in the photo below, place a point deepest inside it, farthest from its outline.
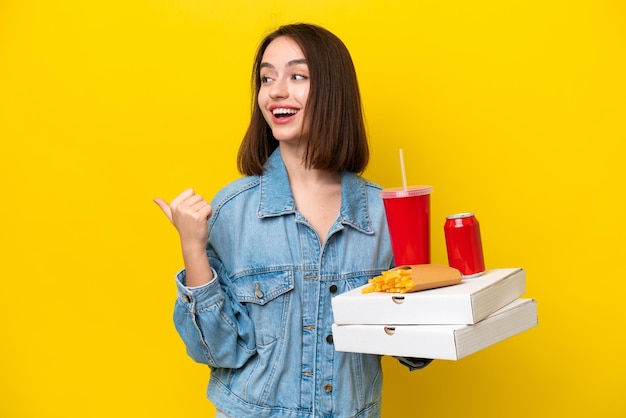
(333, 288)
(257, 292)
(328, 388)
(329, 338)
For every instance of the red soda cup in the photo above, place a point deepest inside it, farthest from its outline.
(408, 217)
(464, 245)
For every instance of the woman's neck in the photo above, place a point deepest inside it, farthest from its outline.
(300, 174)
(317, 193)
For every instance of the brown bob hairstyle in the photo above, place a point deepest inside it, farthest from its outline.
(335, 138)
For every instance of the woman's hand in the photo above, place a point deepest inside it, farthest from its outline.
(189, 212)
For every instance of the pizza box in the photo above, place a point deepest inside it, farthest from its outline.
(445, 342)
(467, 302)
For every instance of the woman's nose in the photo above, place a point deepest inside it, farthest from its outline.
(279, 89)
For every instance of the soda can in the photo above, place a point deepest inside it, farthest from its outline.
(463, 243)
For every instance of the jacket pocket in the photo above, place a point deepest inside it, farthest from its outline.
(267, 299)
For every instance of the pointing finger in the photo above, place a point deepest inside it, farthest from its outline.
(164, 207)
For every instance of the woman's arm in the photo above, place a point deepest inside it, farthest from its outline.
(215, 327)
(188, 212)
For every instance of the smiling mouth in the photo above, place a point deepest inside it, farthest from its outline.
(284, 112)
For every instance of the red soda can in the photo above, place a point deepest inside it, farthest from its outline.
(463, 243)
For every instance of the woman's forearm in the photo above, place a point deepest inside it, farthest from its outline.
(197, 267)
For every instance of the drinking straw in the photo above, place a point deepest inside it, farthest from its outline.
(404, 185)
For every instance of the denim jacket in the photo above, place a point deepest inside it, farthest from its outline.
(264, 325)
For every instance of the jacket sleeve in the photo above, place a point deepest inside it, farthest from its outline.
(214, 326)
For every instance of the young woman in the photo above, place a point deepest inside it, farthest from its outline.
(254, 299)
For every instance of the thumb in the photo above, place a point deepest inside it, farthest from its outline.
(164, 207)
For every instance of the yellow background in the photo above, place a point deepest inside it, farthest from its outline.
(512, 109)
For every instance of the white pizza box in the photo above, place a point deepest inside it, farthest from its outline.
(444, 342)
(465, 303)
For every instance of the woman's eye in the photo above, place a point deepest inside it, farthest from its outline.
(299, 77)
(265, 79)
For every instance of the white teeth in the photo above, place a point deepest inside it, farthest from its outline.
(284, 111)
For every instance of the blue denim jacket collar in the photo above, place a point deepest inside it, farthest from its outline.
(276, 197)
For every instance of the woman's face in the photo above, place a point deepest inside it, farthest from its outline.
(284, 89)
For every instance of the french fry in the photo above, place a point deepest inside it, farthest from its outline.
(391, 281)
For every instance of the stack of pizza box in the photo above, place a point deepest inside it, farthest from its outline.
(445, 323)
